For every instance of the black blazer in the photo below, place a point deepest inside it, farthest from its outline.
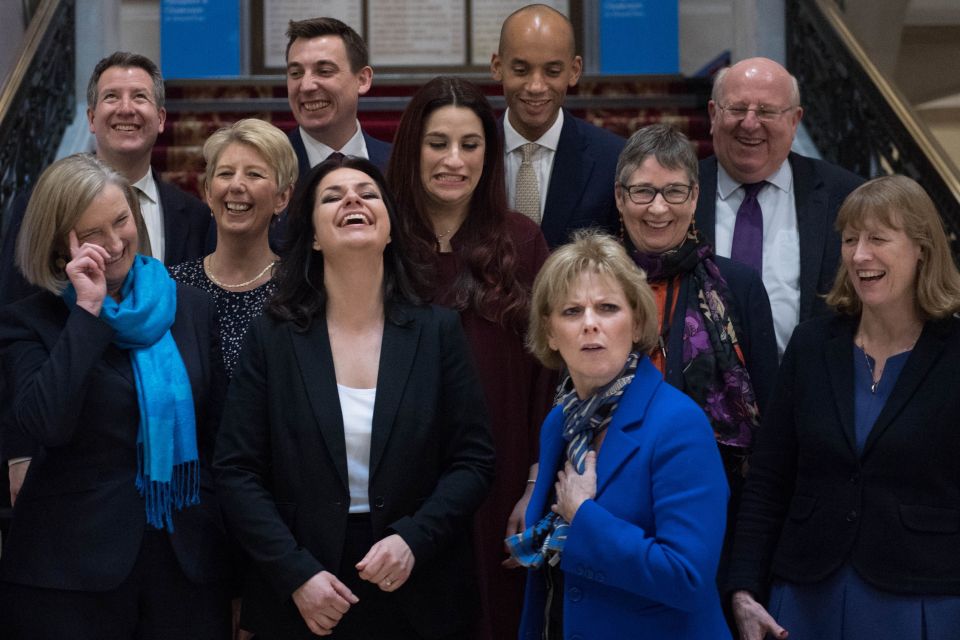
(811, 503)
(750, 310)
(581, 190)
(79, 519)
(819, 189)
(282, 469)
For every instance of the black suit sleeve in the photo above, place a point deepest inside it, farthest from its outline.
(467, 457)
(242, 465)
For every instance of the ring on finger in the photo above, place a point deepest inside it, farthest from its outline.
(388, 582)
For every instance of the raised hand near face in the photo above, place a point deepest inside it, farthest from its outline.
(87, 273)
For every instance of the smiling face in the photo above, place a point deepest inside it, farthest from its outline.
(536, 64)
(242, 192)
(349, 213)
(658, 226)
(751, 150)
(125, 119)
(109, 223)
(881, 264)
(594, 329)
(322, 89)
(451, 157)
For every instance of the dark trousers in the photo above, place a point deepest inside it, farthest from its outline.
(155, 601)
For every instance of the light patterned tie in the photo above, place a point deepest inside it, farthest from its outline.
(528, 191)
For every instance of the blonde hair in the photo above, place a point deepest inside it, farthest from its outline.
(64, 191)
(590, 252)
(900, 203)
(271, 143)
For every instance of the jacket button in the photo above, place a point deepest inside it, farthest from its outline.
(378, 502)
(575, 594)
(853, 515)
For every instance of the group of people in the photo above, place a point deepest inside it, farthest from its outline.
(506, 378)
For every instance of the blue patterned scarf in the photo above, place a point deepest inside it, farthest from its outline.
(583, 420)
(167, 460)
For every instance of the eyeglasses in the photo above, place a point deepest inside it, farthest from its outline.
(672, 193)
(764, 114)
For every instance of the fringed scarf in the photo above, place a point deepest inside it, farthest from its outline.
(167, 459)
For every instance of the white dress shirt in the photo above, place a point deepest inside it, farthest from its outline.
(147, 194)
(781, 242)
(317, 152)
(542, 159)
(356, 405)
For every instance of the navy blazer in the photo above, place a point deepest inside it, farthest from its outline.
(813, 503)
(581, 191)
(79, 519)
(282, 468)
(377, 150)
(749, 307)
(819, 188)
(186, 222)
(640, 558)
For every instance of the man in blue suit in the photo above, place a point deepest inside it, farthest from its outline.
(573, 162)
(327, 71)
(754, 114)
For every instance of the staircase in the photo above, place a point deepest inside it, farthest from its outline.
(195, 110)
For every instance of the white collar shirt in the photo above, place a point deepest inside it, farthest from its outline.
(317, 151)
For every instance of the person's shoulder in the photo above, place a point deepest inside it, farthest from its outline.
(192, 297)
(830, 173)
(736, 274)
(171, 194)
(594, 135)
(186, 272)
(522, 230)
(821, 328)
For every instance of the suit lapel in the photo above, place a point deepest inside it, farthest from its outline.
(397, 353)
(568, 178)
(839, 356)
(303, 162)
(919, 363)
(705, 216)
(174, 227)
(813, 225)
(313, 355)
(618, 447)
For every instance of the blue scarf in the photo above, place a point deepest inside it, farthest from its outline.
(583, 420)
(167, 461)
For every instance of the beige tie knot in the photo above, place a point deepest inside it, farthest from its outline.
(528, 190)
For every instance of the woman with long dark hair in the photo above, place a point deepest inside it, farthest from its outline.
(480, 258)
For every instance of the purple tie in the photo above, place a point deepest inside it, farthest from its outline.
(748, 231)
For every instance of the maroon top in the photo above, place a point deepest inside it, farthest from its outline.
(519, 393)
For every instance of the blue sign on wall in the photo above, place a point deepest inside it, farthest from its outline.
(200, 38)
(639, 36)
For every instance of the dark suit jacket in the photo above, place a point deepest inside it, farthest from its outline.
(186, 221)
(378, 151)
(79, 520)
(819, 189)
(750, 309)
(581, 190)
(812, 503)
(282, 469)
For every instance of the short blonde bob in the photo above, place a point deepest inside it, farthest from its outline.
(898, 202)
(64, 191)
(264, 138)
(590, 252)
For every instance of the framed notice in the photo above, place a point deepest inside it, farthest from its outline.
(270, 19)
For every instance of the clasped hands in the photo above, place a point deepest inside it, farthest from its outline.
(324, 599)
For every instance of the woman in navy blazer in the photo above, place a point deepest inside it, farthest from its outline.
(852, 505)
(630, 497)
(95, 549)
(355, 445)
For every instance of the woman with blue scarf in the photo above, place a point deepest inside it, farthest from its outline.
(116, 373)
(629, 505)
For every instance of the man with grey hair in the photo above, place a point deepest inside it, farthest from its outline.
(762, 204)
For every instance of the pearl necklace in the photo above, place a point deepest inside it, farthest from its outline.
(209, 269)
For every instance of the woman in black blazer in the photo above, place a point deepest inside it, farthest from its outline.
(116, 373)
(852, 505)
(355, 445)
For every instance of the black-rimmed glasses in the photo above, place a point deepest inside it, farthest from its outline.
(645, 194)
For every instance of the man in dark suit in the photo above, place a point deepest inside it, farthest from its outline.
(560, 169)
(327, 71)
(755, 111)
(125, 113)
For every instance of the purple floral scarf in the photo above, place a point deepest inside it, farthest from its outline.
(713, 368)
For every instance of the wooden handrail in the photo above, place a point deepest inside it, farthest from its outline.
(31, 42)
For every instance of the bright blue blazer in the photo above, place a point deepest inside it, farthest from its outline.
(641, 558)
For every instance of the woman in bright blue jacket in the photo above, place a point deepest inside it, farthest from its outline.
(629, 505)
